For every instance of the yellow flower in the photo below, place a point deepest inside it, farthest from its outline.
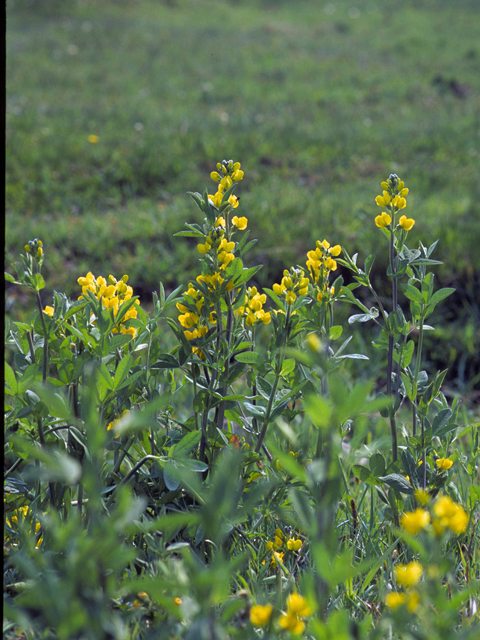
(449, 514)
(93, 139)
(237, 175)
(406, 223)
(422, 496)
(415, 521)
(413, 601)
(383, 220)
(234, 201)
(291, 623)
(49, 311)
(399, 202)
(177, 601)
(294, 545)
(260, 614)
(276, 555)
(240, 223)
(298, 605)
(383, 200)
(408, 575)
(394, 600)
(444, 463)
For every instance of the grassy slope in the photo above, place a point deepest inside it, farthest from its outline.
(320, 102)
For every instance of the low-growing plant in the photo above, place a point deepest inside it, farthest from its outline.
(234, 480)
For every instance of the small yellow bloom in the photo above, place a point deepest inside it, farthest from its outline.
(294, 545)
(413, 601)
(49, 311)
(406, 223)
(408, 575)
(240, 223)
(399, 202)
(292, 623)
(394, 600)
(414, 521)
(444, 463)
(260, 614)
(336, 250)
(422, 496)
(290, 297)
(383, 220)
(298, 605)
(383, 200)
(237, 175)
(449, 514)
(177, 601)
(93, 139)
(234, 201)
(215, 176)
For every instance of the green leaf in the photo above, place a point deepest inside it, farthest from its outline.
(364, 474)
(122, 370)
(10, 378)
(254, 410)
(38, 281)
(186, 444)
(440, 295)
(288, 366)
(250, 357)
(234, 269)
(247, 274)
(377, 464)
(397, 482)
(335, 332)
(412, 293)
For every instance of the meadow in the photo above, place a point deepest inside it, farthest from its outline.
(207, 443)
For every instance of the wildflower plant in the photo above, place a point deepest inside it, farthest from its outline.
(210, 481)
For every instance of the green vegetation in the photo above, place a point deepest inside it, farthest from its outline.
(245, 481)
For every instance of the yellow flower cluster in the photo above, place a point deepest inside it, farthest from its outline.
(24, 514)
(111, 425)
(407, 576)
(228, 172)
(393, 197)
(252, 308)
(292, 544)
(112, 295)
(320, 263)
(223, 250)
(35, 248)
(446, 514)
(297, 608)
(294, 283)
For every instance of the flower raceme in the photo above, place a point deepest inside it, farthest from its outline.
(320, 264)
(293, 284)
(252, 308)
(446, 514)
(393, 198)
(112, 294)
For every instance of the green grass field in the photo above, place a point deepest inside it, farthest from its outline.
(320, 101)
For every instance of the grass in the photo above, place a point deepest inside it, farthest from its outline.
(319, 101)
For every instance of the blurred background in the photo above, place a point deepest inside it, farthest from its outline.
(115, 109)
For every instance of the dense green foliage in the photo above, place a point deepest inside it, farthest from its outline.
(231, 486)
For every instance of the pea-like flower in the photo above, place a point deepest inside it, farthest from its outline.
(297, 608)
(414, 521)
(383, 220)
(447, 514)
(260, 614)
(406, 223)
(444, 463)
(408, 575)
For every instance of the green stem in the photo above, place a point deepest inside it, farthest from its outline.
(45, 342)
(391, 344)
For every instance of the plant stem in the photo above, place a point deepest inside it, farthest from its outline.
(45, 342)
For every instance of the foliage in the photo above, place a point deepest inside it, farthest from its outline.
(238, 480)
